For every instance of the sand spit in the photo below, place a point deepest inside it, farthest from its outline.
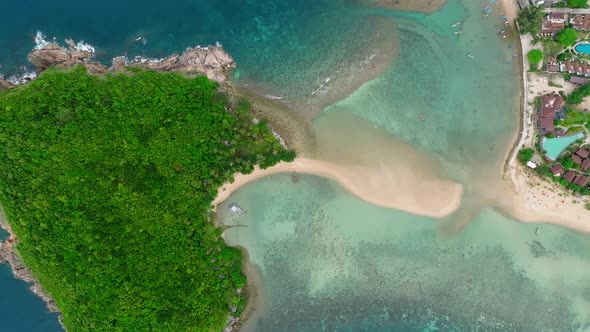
(433, 199)
(372, 165)
(426, 6)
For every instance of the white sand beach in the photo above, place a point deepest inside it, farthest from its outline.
(535, 199)
(432, 198)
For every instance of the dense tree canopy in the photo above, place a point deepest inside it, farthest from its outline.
(535, 56)
(578, 95)
(107, 182)
(567, 37)
(577, 3)
(529, 19)
(525, 155)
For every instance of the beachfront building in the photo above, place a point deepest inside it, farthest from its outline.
(552, 24)
(557, 170)
(575, 67)
(581, 22)
(546, 3)
(551, 104)
(552, 65)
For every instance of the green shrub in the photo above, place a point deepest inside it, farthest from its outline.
(535, 56)
(577, 3)
(525, 155)
(567, 37)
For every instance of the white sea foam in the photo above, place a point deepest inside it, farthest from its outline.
(40, 40)
(85, 47)
(24, 76)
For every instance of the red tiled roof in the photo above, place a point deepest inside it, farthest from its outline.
(578, 80)
(547, 124)
(569, 176)
(581, 22)
(582, 153)
(576, 159)
(557, 169)
(586, 164)
(582, 180)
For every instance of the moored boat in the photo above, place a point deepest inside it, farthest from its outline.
(458, 32)
(456, 24)
(470, 56)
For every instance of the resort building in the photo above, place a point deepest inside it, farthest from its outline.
(583, 153)
(552, 24)
(550, 105)
(578, 80)
(581, 22)
(552, 66)
(586, 164)
(557, 170)
(581, 67)
(546, 3)
(581, 180)
(577, 159)
(569, 176)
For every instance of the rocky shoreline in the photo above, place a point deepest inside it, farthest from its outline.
(212, 61)
(19, 270)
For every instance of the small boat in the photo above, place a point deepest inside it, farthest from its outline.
(485, 15)
(504, 36)
(458, 32)
(456, 25)
(501, 32)
(138, 38)
(537, 231)
(470, 56)
(506, 23)
(421, 117)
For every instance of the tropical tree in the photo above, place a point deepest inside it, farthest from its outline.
(535, 56)
(529, 20)
(525, 155)
(577, 3)
(567, 37)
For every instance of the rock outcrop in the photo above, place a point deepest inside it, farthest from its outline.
(53, 55)
(5, 84)
(212, 61)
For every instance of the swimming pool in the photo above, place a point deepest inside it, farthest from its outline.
(583, 48)
(555, 146)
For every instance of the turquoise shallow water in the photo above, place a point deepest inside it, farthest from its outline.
(327, 260)
(330, 262)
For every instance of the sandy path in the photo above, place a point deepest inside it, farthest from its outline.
(432, 198)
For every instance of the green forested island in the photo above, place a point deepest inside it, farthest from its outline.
(107, 182)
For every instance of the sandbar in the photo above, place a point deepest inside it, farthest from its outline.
(433, 198)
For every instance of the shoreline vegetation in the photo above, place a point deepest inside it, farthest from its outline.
(535, 199)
